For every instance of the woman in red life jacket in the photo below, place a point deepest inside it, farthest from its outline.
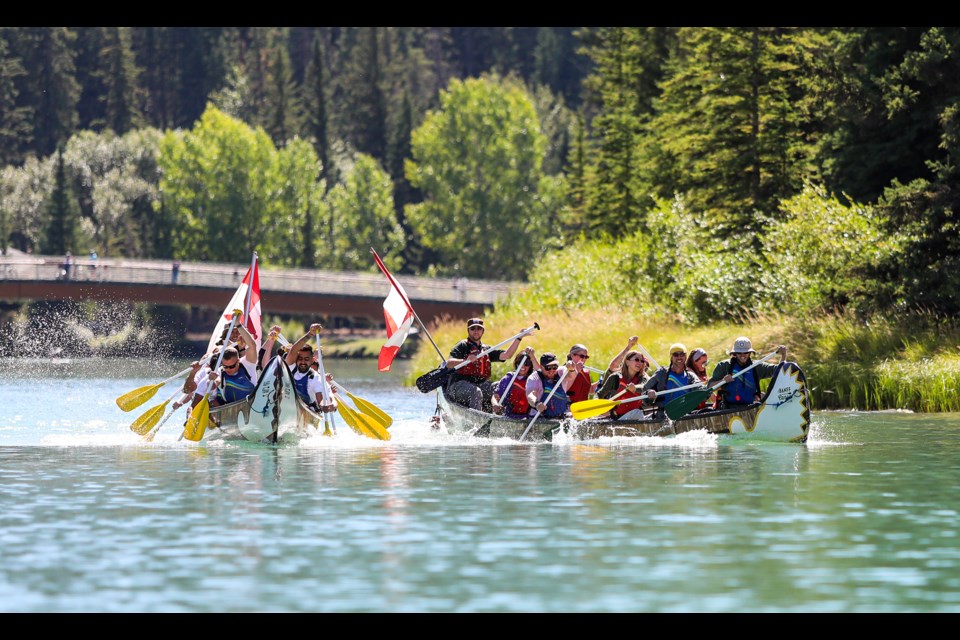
(470, 385)
(627, 382)
(582, 387)
(512, 402)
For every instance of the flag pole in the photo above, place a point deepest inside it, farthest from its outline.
(403, 295)
(246, 304)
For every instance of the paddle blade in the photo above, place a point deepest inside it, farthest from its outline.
(197, 423)
(372, 410)
(133, 399)
(591, 408)
(150, 418)
(362, 424)
(371, 428)
(679, 407)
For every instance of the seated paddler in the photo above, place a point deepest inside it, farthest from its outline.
(306, 378)
(673, 377)
(541, 383)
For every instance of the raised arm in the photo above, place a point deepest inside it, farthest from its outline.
(617, 361)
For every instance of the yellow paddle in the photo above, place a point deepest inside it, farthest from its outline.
(133, 399)
(142, 425)
(196, 424)
(368, 408)
(361, 423)
(592, 408)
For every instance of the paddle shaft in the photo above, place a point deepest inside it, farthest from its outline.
(549, 397)
(327, 418)
(740, 373)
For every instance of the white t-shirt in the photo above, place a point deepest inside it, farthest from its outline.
(314, 385)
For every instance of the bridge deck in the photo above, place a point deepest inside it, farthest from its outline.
(211, 285)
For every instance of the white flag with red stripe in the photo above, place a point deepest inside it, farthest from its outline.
(251, 320)
(398, 316)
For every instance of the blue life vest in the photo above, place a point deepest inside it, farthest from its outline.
(236, 386)
(560, 402)
(675, 380)
(741, 390)
(301, 386)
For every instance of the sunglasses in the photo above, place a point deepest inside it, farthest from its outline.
(232, 365)
(678, 353)
(552, 367)
(635, 359)
(582, 355)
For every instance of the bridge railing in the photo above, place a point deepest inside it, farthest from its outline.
(228, 276)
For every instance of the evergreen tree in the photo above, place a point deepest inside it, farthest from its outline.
(49, 88)
(315, 93)
(121, 110)
(731, 132)
(366, 113)
(15, 130)
(283, 104)
(62, 213)
(91, 76)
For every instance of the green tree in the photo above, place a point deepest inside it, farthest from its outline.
(15, 129)
(283, 105)
(49, 88)
(24, 194)
(217, 181)
(731, 131)
(299, 216)
(629, 64)
(62, 213)
(121, 110)
(315, 99)
(364, 217)
(366, 113)
(479, 163)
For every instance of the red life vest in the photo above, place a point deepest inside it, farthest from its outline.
(580, 389)
(517, 398)
(621, 408)
(479, 368)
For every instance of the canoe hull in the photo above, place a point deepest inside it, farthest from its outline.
(783, 415)
(268, 414)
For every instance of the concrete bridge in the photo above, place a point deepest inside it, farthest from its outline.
(356, 297)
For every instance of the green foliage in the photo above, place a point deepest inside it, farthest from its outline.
(478, 161)
(62, 213)
(216, 181)
(363, 216)
(297, 215)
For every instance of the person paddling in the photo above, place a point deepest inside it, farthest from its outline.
(746, 388)
(470, 385)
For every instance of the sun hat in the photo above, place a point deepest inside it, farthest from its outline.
(677, 347)
(742, 345)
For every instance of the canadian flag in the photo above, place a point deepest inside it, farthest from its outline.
(398, 315)
(251, 319)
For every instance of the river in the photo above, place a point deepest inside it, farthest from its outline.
(862, 518)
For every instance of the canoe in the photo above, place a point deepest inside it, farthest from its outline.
(268, 414)
(782, 415)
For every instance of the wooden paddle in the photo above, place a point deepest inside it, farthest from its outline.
(328, 421)
(196, 424)
(592, 408)
(679, 407)
(360, 422)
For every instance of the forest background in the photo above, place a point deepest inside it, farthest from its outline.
(797, 185)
